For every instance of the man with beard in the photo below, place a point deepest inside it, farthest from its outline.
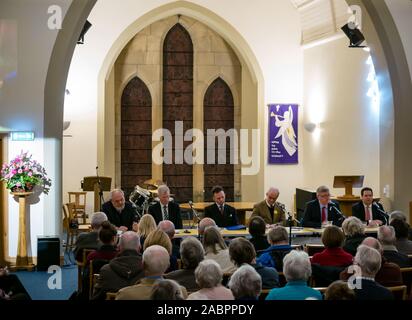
(119, 212)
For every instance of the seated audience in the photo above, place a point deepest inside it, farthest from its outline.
(147, 224)
(366, 288)
(297, 270)
(401, 216)
(241, 252)
(160, 238)
(389, 275)
(269, 209)
(386, 236)
(279, 247)
(191, 253)
(122, 271)
(120, 212)
(166, 290)
(339, 290)
(203, 224)
(89, 240)
(10, 287)
(245, 283)
(216, 249)
(209, 277)
(257, 229)
(333, 255)
(403, 244)
(155, 263)
(354, 231)
(223, 214)
(108, 238)
(168, 227)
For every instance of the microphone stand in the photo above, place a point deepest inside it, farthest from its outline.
(194, 214)
(385, 215)
(101, 200)
(290, 221)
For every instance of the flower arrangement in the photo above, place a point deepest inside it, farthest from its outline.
(23, 173)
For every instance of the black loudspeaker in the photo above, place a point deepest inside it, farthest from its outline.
(302, 197)
(48, 252)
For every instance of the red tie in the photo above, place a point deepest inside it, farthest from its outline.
(324, 214)
(368, 213)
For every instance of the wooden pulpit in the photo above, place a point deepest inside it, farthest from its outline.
(348, 182)
(97, 185)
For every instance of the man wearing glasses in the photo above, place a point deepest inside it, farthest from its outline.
(321, 211)
(269, 209)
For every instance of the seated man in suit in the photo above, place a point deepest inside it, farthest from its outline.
(223, 214)
(369, 211)
(119, 212)
(269, 209)
(166, 209)
(322, 210)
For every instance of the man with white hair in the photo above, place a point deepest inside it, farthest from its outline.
(166, 209)
(155, 263)
(369, 261)
(90, 240)
(168, 227)
(204, 223)
(297, 270)
(245, 283)
(387, 237)
(119, 212)
(269, 209)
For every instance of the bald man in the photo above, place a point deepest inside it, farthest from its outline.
(269, 209)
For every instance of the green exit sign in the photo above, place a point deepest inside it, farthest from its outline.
(22, 136)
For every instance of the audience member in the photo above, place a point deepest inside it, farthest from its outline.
(297, 270)
(120, 212)
(166, 290)
(158, 237)
(203, 224)
(108, 238)
(279, 247)
(241, 251)
(216, 249)
(403, 244)
(386, 236)
(257, 229)
(401, 216)
(339, 290)
(168, 227)
(209, 277)
(147, 224)
(354, 231)
(245, 283)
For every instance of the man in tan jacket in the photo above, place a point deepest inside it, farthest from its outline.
(269, 209)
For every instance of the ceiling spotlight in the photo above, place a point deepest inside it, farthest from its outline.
(86, 27)
(354, 34)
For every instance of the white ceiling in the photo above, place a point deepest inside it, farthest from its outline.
(321, 18)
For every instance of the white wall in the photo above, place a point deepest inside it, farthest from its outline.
(272, 32)
(335, 94)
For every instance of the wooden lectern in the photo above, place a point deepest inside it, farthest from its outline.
(92, 184)
(348, 182)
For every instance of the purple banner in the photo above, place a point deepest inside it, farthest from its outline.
(283, 134)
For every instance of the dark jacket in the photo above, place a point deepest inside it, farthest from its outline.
(86, 240)
(352, 243)
(122, 271)
(173, 210)
(260, 243)
(125, 218)
(402, 260)
(372, 290)
(358, 211)
(270, 277)
(184, 277)
(228, 219)
(312, 214)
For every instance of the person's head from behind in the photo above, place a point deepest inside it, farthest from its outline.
(245, 283)
(208, 274)
(117, 199)
(146, 225)
(97, 219)
(241, 251)
(107, 233)
(278, 236)
(367, 196)
(212, 239)
(333, 237)
(164, 194)
(272, 195)
(129, 240)
(218, 195)
(339, 290)
(386, 235)
(373, 243)
(166, 290)
(323, 195)
(167, 227)
(191, 252)
(156, 261)
(257, 227)
(160, 238)
(204, 223)
(397, 215)
(401, 228)
(369, 260)
(296, 266)
(352, 226)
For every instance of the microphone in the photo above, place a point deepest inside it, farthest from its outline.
(385, 215)
(193, 210)
(333, 206)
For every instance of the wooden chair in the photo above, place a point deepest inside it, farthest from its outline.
(311, 249)
(80, 267)
(407, 280)
(93, 279)
(79, 200)
(111, 295)
(399, 292)
(70, 230)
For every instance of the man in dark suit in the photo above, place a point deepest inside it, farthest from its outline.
(223, 214)
(166, 209)
(369, 211)
(119, 212)
(320, 211)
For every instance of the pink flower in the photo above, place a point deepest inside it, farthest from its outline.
(18, 184)
(20, 171)
(30, 174)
